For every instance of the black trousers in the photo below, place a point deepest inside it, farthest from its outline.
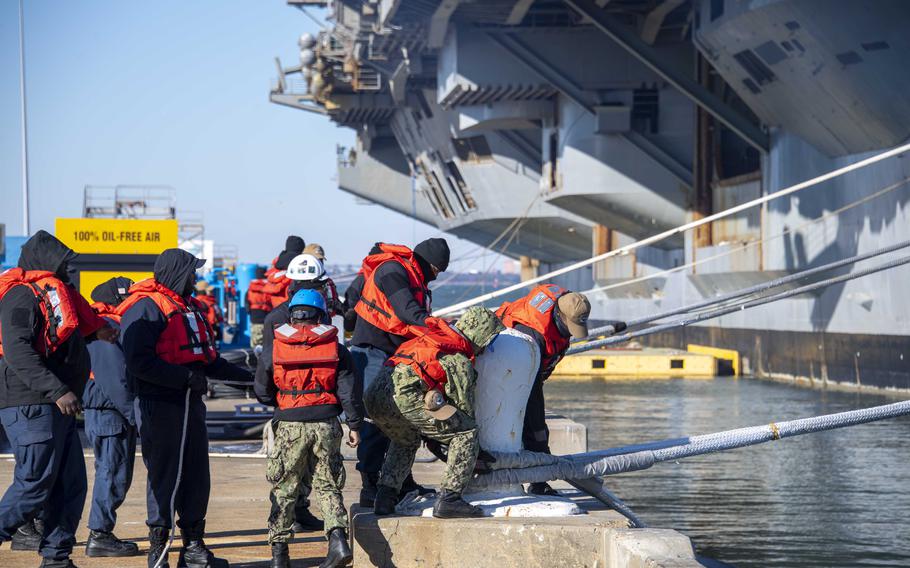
(536, 436)
(160, 425)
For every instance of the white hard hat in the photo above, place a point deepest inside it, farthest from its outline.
(305, 267)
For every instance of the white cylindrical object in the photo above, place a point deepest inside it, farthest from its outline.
(505, 375)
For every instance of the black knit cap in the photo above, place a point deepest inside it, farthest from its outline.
(434, 251)
(293, 246)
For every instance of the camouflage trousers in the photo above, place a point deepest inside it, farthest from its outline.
(256, 334)
(298, 446)
(395, 403)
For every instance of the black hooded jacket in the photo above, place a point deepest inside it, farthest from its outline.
(392, 280)
(149, 375)
(26, 377)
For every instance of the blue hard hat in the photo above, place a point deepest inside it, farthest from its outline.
(311, 298)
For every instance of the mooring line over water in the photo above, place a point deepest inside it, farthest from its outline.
(762, 287)
(680, 229)
(735, 307)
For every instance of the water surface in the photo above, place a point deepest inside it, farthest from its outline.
(839, 498)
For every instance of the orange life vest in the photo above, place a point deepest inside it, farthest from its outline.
(305, 365)
(108, 311)
(422, 353)
(188, 337)
(331, 296)
(63, 309)
(212, 310)
(536, 311)
(256, 296)
(276, 286)
(374, 307)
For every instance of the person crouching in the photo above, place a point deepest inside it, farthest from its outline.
(427, 389)
(312, 382)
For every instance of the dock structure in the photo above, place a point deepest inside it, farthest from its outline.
(239, 508)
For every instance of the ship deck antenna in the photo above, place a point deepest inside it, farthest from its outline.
(23, 110)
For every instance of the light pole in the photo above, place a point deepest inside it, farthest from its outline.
(25, 221)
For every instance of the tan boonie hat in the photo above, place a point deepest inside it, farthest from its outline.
(203, 286)
(574, 310)
(315, 250)
(436, 405)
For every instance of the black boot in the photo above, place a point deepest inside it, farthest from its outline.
(280, 556)
(450, 505)
(368, 488)
(105, 544)
(28, 536)
(65, 563)
(411, 485)
(157, 543)
(305, 521)
(339, 552)
(542, 488)
(386, 499)
(195, 554)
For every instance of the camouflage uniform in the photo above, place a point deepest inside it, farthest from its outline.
(256, 334)
(297, 445)
(395, 402)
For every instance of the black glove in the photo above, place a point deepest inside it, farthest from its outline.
(197, 381)
(484, 463)
(619, 326)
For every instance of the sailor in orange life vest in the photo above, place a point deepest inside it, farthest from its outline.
(213, 312)
(551, 316)
(427, 389)
(277, 282)
(395, 298)
(169, 348)
(304, 272)
(110, 426)
(311, 381)
(258, 306)
(309, 271)
(44, 365)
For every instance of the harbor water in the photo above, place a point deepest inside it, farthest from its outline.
(838, 498)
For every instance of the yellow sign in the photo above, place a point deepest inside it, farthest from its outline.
(89, 279)
(117, 236)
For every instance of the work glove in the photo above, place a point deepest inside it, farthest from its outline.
(619, 327)
(197, 381)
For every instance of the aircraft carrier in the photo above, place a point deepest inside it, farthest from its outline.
(556, 130)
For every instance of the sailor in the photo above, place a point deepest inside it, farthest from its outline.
(277, 282)
(311, 382)
(395, 299)
(258, 305)
(170, 349)
(309, 271)
(551, 316)
(427, 389)
(213, 313)
(280, 315)
(110, 426)
(329, 290)
(44, 363)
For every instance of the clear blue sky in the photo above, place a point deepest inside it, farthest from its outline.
(175, 92)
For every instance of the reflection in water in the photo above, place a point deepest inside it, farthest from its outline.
(835, 498)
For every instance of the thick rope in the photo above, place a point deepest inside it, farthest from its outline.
(734, 308)
(531, 467)
(758, 288)
(678, 230)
